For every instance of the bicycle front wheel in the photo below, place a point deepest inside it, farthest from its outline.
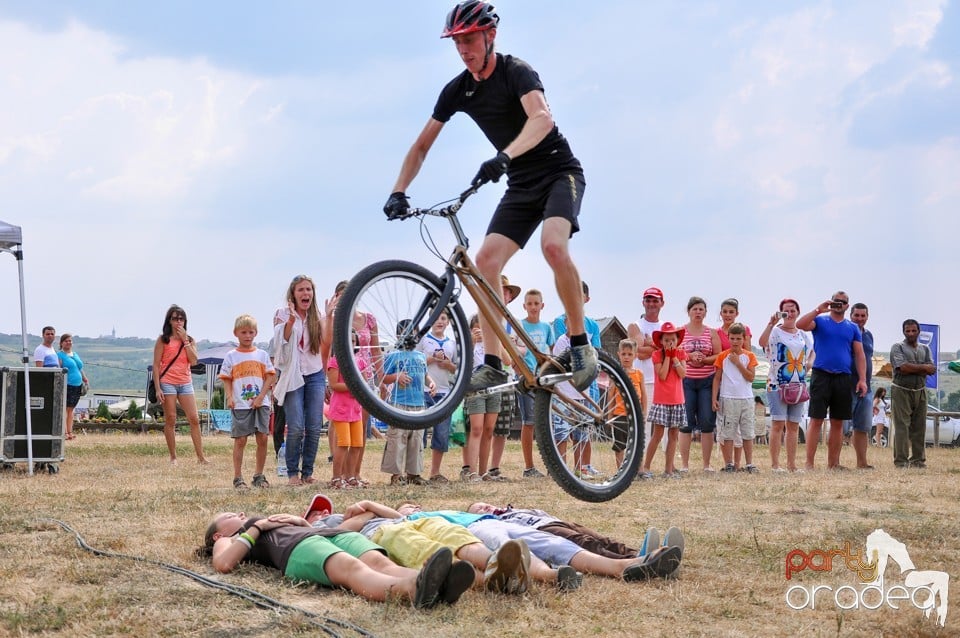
(401, 297)
(593, 458)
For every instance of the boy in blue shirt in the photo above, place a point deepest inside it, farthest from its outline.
(406, 369)
(542, 335)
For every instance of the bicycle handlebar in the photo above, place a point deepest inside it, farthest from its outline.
(443, 211)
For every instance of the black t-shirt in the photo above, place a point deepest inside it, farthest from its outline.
(494, 104)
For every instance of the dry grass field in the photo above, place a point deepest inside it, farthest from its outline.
(119, 492)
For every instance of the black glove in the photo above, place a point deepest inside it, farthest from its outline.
(492, 169)
(397, 206)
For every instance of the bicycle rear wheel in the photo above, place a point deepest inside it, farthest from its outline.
(592, 459)
(394, 292)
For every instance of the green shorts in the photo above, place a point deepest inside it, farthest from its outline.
(482, 403)
(309, 556)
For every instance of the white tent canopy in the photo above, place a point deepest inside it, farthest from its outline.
(10, 235)
(11, 240)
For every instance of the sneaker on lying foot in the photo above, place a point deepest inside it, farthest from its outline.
(431, 578)
(508, 569)
(674, 538)
(659, 563)
(520, 582)
(486, 377)
(583, 364)
(459, 579)
(568, 579)
(651, 541)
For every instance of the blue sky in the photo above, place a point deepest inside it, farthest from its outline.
(204, 153)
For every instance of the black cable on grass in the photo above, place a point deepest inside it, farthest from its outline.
(260, 600)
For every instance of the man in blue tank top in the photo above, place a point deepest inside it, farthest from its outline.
(839, 349)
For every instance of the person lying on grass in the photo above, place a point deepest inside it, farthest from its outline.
(507, 568)
(329, 557)
(555, 550)
(583, 536)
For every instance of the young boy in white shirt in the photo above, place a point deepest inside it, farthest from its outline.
(733, 398)
(441, 354)
(248, 377)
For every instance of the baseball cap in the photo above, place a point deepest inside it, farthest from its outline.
(653, 291)
(320, 502)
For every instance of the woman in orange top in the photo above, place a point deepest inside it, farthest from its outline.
(173, 354)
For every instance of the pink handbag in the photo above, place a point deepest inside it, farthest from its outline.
(794, 392)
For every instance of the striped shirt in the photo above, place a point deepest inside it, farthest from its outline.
(700, 343)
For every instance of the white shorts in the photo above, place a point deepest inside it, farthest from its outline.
(735, 420)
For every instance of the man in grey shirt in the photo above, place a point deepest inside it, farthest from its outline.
(912, 362)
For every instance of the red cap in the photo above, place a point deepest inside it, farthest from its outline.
(653, 291)
(319, 503)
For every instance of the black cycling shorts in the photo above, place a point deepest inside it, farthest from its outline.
(523, 207)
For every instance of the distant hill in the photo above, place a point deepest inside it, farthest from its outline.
(111, 364)
(120, 365)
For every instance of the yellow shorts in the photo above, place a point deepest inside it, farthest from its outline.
(411, 543)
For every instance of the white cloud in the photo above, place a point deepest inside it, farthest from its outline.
(105, 163)
(918, 26)
(137, 132)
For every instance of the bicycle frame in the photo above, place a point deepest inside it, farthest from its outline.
(491, 307)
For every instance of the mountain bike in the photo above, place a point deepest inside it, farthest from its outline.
(591, 442)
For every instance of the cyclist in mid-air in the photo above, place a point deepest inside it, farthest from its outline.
(545, 182)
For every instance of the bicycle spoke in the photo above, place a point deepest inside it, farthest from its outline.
(397, 293)
(592, 442)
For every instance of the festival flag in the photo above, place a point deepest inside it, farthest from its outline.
(930, 336)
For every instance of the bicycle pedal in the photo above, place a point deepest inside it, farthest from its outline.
(550, 380)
